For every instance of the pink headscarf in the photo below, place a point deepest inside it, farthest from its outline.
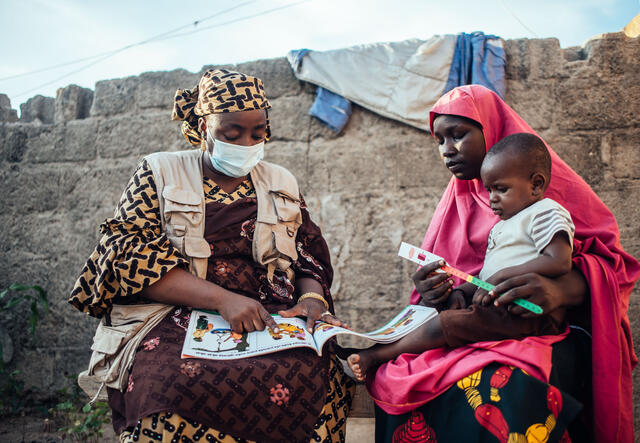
(459, 230)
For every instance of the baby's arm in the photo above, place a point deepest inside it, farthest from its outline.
(554, 261)
(458, 298)
(461, 296)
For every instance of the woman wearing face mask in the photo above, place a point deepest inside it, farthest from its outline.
(196, 229)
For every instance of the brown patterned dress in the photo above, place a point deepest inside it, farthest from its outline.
(286, 396)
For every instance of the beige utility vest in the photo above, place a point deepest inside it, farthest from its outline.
(178, 177)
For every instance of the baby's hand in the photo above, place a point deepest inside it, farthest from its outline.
(456, 300)
(481, 297)
(484, 298)
(504, 274)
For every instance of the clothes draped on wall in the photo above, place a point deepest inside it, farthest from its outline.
(398, 80)
(480, 60)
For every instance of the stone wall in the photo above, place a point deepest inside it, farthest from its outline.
(369, 188)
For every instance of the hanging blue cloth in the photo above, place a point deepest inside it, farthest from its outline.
(331, 109)
(477, 61)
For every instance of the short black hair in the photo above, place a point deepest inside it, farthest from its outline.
(529, 149)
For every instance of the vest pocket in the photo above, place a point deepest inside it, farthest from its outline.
(107, 339)
(287, 207)
(181, 206)
(197, 247)
(106, 342)
(284, 238)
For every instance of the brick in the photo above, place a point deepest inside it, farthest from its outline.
(113, 97)
(14, 141)
(531, 59)
(37, 109)
(613, 54)
(582, 152)
(625, 156)
(139, 135)
(7, 113)
(291, 155)
(72, 103)
(72, 141)
(158, 89)
(28, 189)
(533, 100)
(289, 118)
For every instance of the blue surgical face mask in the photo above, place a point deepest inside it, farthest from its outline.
(234, 160)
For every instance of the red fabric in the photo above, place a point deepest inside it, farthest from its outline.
(460, 228)
(412, 380)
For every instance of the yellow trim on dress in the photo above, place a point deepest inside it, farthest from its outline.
(214, 193)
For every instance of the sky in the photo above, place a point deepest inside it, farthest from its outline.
(38, 34)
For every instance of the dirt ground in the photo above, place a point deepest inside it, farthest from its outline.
(33, 429)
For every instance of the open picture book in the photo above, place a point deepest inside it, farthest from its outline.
(210, 336)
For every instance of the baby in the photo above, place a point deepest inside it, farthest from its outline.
(535, 234)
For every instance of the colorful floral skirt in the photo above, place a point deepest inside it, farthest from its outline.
(495, 404)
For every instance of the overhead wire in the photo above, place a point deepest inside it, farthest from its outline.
(65, 75)
(157, 39)
(142, 42)
(518, 19)
(49, 68)
(231, 22)
(247, 17)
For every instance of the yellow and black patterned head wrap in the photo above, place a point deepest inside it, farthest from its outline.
(219, 91)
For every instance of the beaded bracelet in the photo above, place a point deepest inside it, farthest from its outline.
(316, 296)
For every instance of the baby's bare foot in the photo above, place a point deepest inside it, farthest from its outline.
(354, 363)
(359, 363)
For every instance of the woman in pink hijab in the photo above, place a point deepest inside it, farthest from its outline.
(515, 390)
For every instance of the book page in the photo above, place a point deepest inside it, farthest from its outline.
(324, 331)
(410, 318)
(406, 321)
(210, 336)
